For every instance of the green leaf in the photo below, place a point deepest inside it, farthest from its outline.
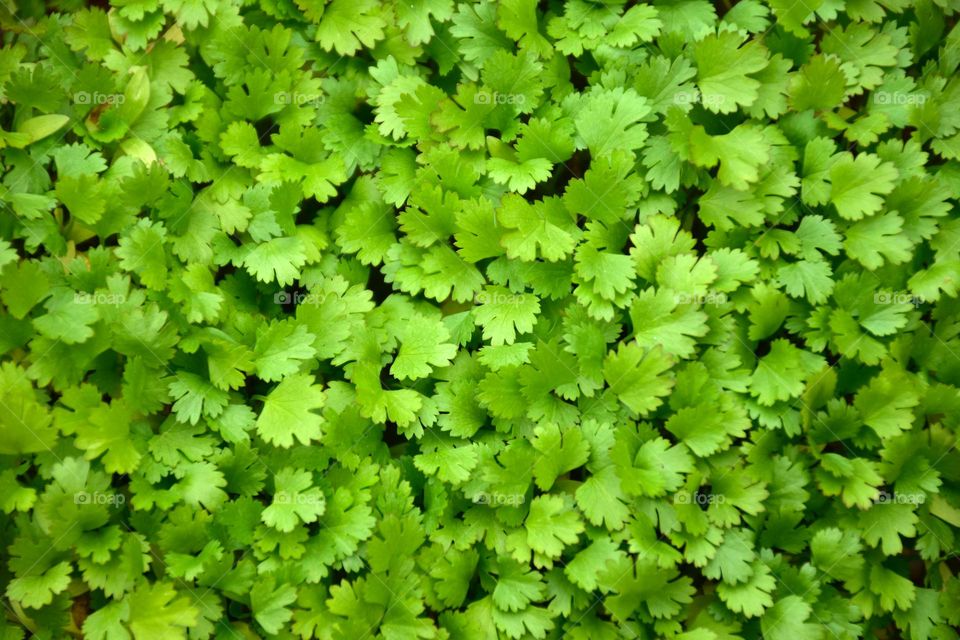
(886, 403)
(158, 611)
(787, 619)
(270, 604)
(733, 560)
(810, 279)
(857, 184)
(424, 344)
(23, 286)
(668, 319)
(781, 374)
(280, 349)
(636, 376)
(516, 586)
(792, 15)
(751, 598)
(107, 622)
(38, 588)
(610, 121)
(724, 64)
(820, 83)
(39, 127)
(504, 314)
(588, 565)
(895, 591)
(142, 252)
(448, 462)
(885, 523)
(347, 26)
(551, 525)
(871, 241)
(295, 500)
(560, 452)
(544, 228)
(68, 317)
(602, 500)
(288, 412)
(279, 259)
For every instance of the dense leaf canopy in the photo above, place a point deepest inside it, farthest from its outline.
(439, 319)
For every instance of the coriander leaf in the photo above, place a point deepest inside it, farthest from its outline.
(288, 412)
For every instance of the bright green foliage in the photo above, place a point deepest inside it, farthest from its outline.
(479, 320)
(288, 412)
(294, 500)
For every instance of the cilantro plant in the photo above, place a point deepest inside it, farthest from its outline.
(438, 319)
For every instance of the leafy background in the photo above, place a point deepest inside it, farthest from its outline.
(424, 319)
